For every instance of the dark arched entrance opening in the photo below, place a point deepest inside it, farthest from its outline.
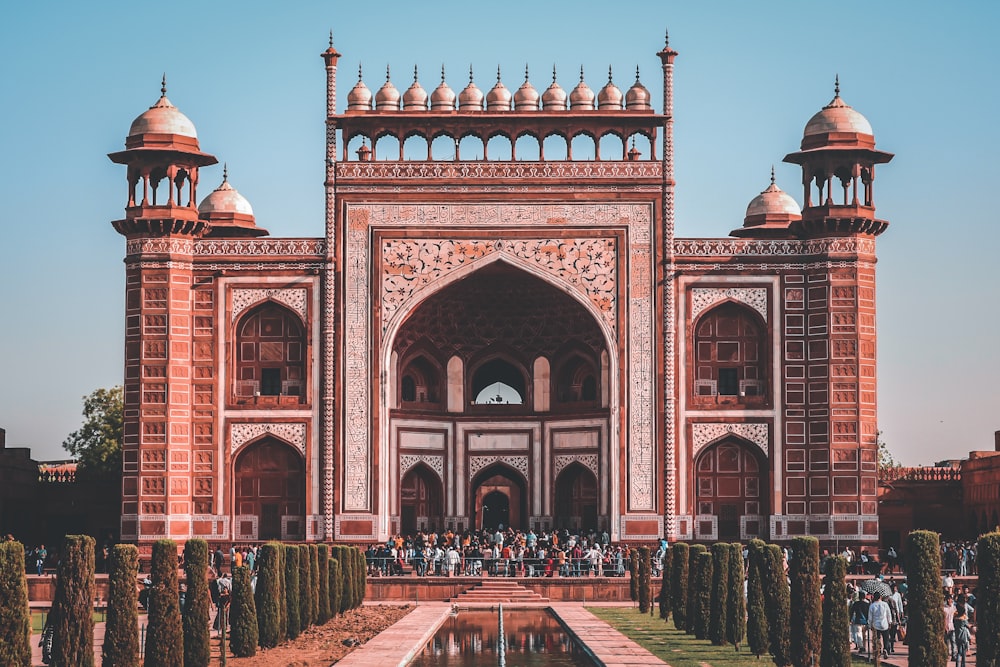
(576, 497)
(731, 484)
(270, 485)
(419, 501)
(500, 497)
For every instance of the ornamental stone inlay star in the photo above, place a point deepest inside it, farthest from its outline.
(242, 433)
(703, 434)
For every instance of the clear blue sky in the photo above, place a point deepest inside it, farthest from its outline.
(749, 76)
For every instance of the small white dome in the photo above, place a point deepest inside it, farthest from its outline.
(163, 118)
(225, 199)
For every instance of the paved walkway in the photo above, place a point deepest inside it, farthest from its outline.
(900, 658)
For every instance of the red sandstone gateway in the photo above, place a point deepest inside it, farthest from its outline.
(497, 326)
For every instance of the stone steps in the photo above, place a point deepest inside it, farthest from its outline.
(491, 591)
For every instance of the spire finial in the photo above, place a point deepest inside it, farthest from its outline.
(359, 71)
(581, 73)
(331, 38)
(163, 85)
(442, 72)
(609, 74)
(225, 172)
(526, 72)
(387, 73)
(772, 174)
(414, 74)
(498, 73)
(470, 72)
(553, 72)
(836, 85)
(637, 74)
(666, 38)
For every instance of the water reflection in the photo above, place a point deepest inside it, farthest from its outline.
(534, 637)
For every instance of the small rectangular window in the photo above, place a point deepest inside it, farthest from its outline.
(729, 384)
(270, 381)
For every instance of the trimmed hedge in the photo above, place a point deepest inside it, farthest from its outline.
(347, 581)
(806, 609)
(72, 608)
(121, 636)
(665, 574)
(925, 611)
(757, 633)
(362, 571)
(164, 633)
(292, 590)
(703, 595)
(15, 617)
(305, 587)
(692, 596)
(243, 616)
(633, 575)
(836, 648)
(719, 598)
(268, 595)
(336, 582)
(679, 577)
(325, 613)
(736, 608)
(315, 581)
(988, 600)
(777, 598)
(644, 580)
(197, 601)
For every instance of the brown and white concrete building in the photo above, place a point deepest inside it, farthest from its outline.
(507, 331)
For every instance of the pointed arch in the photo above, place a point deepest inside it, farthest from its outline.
(269, 489)
(270, 355)
(730, 353)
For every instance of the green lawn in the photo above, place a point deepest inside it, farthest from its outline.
(675, 647)
(38, 619)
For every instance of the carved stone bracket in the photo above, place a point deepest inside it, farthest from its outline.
(243, 432)
(703, 434)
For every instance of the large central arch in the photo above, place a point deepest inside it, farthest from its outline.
(519, 367)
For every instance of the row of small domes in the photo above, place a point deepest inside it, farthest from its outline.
(499, 98)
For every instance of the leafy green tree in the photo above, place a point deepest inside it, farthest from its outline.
(757, 632)
(243, 616)
(268, 595)
(164, 632)
(679, 578)
(836, 646)
(988, 600)
(718, 607)
(692, 596)
(336, 583)
(633, 575)
(305, 587)
(98, 443)
(888, 468)
(15, 618)
(925, 611)
(777, 598)
(325, 613)
(292, 589)
(736, 609)
(644, 580)
(666, 570)
(197, 602)
(807, 612)
(121, 636)
(702, 591)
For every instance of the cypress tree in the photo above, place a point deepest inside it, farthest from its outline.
(325, 613)
(282, 599)
(836, 647)
(164, 633)
(197, 640)
(72, 609)
(988, 600)
(314, 580)
(720, 594)
(347, 581)
(362, 570)
(268, 595)
(692, 592)
(633, 575)
(121, 635)
(757, 634)
(336, 589)
(644, 567)
(679, 577)
(777, 599)
(243, 616)
(806, 609)
(292, 589)
(925, 611)
(665, 574)
(15, 617)
(703, 595)
(736, 608)
(305, 587)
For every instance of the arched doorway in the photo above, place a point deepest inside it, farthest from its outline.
(270, 485)
(576, 498)
(419, 501)
(499, 498)
(730, 484)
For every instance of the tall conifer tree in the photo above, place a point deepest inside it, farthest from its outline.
(15, 618)
(807, 612)
(679, 577)
(736, 610)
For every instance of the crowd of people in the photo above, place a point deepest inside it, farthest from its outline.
(504, 552)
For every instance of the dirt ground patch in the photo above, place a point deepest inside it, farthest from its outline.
(324, 645)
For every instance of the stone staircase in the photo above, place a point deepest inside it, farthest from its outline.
(493, 591)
